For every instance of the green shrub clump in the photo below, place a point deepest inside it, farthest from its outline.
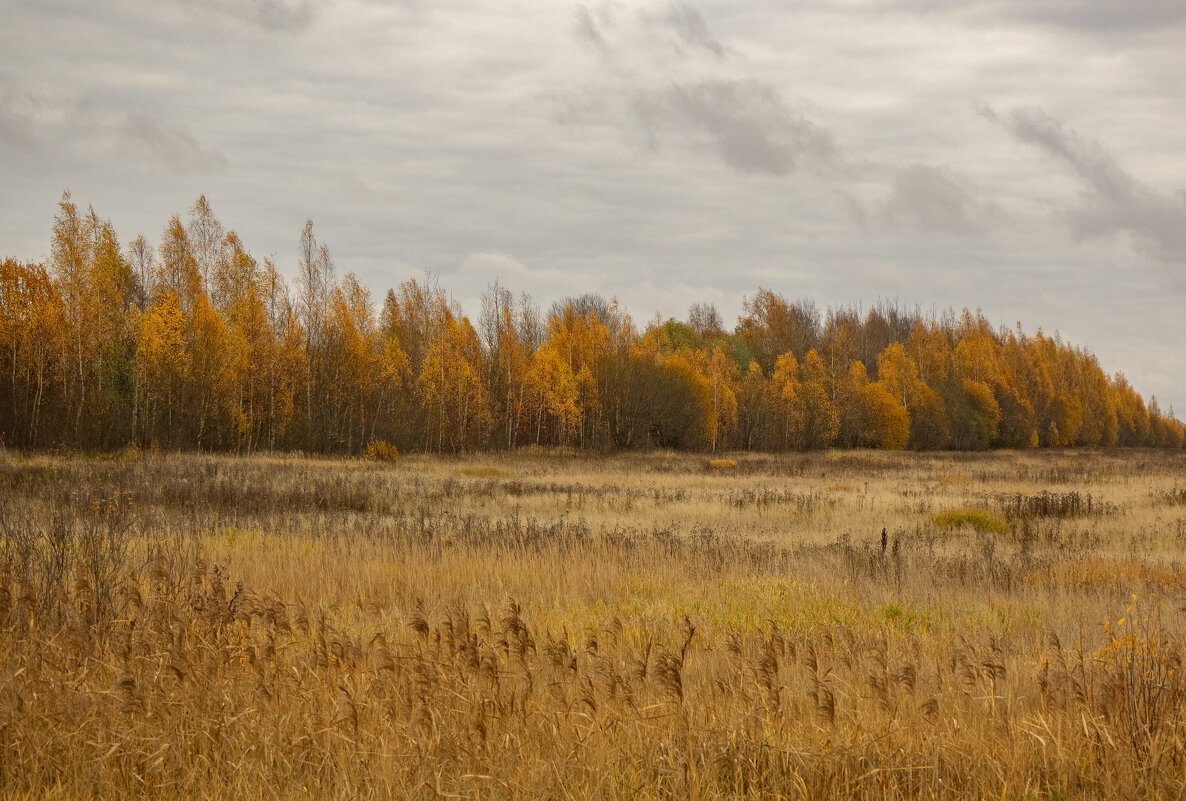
(977, 519)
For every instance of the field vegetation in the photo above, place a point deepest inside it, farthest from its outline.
(859, 624)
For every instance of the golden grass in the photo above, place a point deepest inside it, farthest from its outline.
(1117, 572)
(557, 626)
(483, 471)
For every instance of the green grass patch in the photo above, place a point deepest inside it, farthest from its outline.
(976, 518)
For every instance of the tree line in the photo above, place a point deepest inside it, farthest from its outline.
(196, 344)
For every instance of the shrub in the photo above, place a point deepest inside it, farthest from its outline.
(129, 453)
(1064, 505)
(381, 451)
(1173, 497)
(977, 519)
(1141, 665)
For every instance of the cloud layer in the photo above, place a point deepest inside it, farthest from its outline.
(1022, 156)
(1112, 201)
(747, 124)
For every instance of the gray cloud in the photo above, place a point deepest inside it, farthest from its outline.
(33, 123)
(1102, 16)
(16, 127)
(481, 268)
(691, 29)
(708, 104)
(168, 145)
(932, 199)
(1113, 201)
(586, 28)
(269, 15)
(679, 25)
(36, 122)
(746, 122)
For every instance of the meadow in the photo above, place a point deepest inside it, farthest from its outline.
(856, 624)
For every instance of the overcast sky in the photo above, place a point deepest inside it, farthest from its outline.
(1023, 156)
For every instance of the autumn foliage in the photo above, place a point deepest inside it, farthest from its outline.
(196, 344)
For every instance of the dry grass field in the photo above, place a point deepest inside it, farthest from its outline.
(562, 626)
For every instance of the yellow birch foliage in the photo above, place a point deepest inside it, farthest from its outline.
(162, 357)
(819, 415)
(552, 397)
(451, 390)
(785, 392)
